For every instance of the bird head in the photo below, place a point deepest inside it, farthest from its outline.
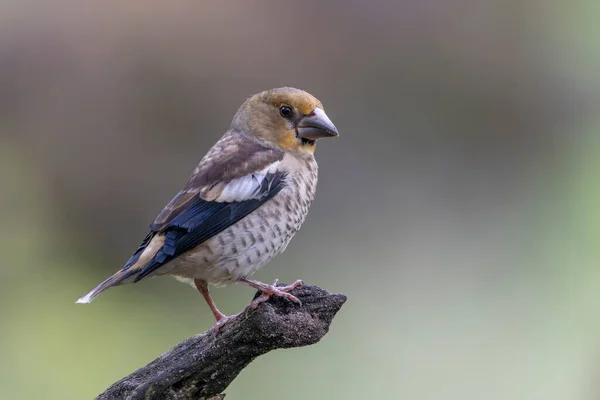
(287, 118)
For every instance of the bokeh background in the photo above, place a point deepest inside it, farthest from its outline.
(459, 209)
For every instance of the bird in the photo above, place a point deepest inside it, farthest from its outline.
(242, 204)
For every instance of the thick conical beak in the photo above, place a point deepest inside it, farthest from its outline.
(316, 125)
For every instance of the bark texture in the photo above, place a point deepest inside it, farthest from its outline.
(201, 367)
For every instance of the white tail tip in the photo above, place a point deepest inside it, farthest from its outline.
(84, 300)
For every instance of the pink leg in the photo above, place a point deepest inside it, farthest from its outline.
(272, 290)
(202, 287)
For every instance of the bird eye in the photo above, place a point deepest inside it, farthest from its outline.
(286, 111)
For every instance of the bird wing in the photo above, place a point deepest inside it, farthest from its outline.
(235, 177)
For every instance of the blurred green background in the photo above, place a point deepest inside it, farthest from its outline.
(459, 209)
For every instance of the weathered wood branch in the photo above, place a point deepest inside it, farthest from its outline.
(201, 367)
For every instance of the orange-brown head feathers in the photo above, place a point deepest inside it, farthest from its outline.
(288, 118)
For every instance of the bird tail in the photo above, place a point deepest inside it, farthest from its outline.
(117, 279)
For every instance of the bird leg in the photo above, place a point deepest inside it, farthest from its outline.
(202, 287)
(272, 290)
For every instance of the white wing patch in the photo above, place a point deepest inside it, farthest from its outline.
(247, 187)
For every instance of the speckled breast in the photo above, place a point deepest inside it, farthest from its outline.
(243, 248)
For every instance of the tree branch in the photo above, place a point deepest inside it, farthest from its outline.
(201, 367)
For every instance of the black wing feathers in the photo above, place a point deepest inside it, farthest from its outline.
(203, 220)
(140, 249)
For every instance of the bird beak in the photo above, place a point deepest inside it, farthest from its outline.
(316, 125)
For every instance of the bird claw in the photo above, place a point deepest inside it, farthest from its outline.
(274, 290)
(266, 292)
(222, 321)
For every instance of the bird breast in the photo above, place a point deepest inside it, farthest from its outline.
(241, 249)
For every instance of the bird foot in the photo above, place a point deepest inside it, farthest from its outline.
(274, 290)
(223, 319)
